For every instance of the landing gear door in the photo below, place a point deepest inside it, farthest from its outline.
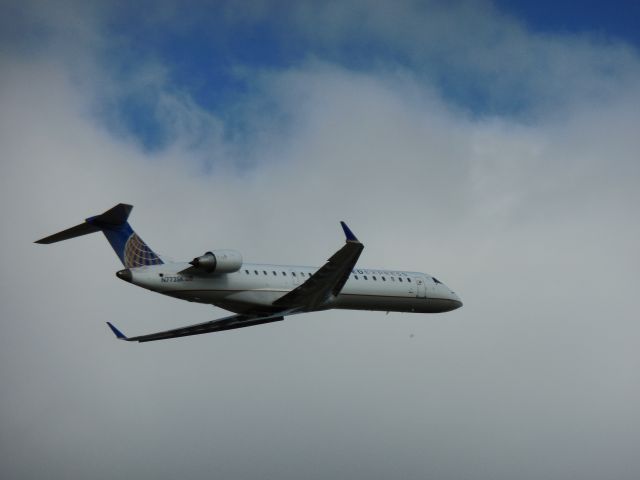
(422, 288)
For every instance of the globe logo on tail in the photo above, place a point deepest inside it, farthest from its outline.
(138, 254)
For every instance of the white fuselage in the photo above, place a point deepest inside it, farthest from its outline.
(255, 287)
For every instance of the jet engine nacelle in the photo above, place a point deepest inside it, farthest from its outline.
(218, 261)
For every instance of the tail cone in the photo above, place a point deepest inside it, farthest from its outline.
(125, 275)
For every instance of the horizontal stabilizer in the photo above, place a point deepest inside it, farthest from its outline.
(113, 217)
(77, 231)
(131, 249)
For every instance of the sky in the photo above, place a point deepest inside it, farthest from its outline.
(491, 144)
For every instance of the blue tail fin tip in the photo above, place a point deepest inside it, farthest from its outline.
(348, 233)
(117, 332)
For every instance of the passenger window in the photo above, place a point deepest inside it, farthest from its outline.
(374, 278)
(365, 277)
(264, 271)
(293, 274)
(247, 272)
(393, 279)
(400, 279)
(256, 272)
(356, 277)
(383, 279)
(409, 280)
(274, 273)
(284, 274)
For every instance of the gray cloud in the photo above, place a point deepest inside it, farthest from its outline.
(532, 221)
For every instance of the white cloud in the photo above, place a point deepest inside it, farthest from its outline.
(532, 222)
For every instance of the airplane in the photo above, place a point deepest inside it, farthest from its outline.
(260, 293)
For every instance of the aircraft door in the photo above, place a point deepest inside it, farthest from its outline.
(422, 289)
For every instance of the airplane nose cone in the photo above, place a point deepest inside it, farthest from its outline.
(124, 275)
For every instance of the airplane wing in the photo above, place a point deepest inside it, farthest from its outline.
(328, 281)
(226, 323)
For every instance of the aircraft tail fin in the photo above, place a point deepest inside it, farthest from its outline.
(129, 247)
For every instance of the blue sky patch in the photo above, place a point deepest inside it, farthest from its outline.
(209, 53)
(615, 19)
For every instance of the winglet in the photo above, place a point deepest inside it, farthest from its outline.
(117, 333)
(348, 233)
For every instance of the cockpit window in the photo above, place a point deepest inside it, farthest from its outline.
(436, 280)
